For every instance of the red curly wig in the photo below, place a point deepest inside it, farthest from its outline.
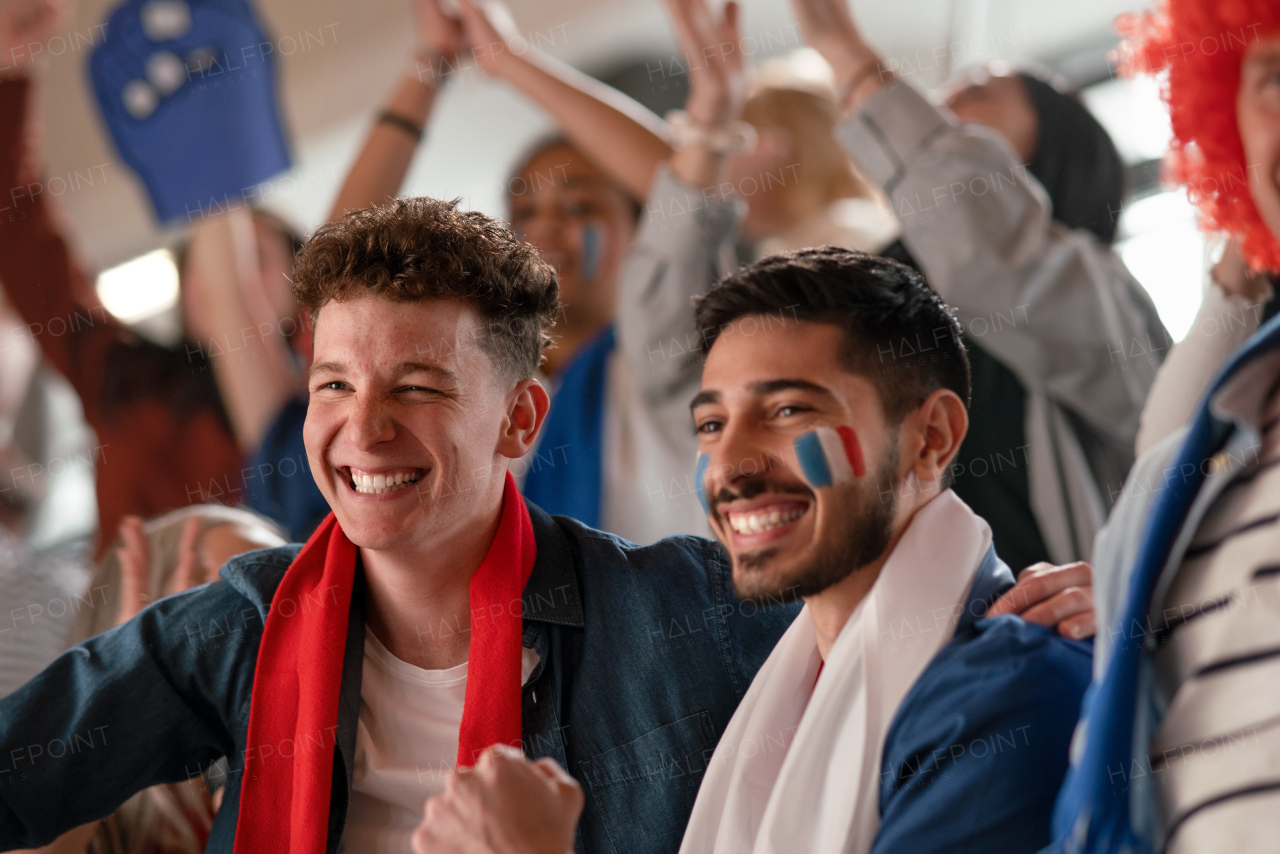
(1201, 44)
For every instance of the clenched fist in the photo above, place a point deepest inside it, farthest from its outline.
(505, 804)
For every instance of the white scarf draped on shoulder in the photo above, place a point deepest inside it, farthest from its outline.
(798, 768)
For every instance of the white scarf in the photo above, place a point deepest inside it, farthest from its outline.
(821, 794)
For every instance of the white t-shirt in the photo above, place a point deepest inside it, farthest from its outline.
(406, 745)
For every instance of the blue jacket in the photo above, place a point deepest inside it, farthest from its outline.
(978, 748)
(1108, 802)
(644, 654)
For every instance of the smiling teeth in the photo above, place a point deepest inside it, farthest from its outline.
(756, 523)
(376, 484)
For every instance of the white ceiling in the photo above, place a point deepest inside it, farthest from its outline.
(354, 51)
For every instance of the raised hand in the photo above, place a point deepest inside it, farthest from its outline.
(1049, 595)
(25, 27)
(712, 45)
(829, 28)
(440, 34)
(1235, 278)
(490, 30)
(135, 566)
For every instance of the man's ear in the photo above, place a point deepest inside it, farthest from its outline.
(941, 424)
(527, 406)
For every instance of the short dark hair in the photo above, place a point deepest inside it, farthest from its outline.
(420, 249)
(897, 330)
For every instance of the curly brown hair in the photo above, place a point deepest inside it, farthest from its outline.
(418, 249)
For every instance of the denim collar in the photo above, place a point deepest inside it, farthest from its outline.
(552, 594)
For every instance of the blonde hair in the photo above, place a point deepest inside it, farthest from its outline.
(796, 94)
(164, 535)
(173, 818)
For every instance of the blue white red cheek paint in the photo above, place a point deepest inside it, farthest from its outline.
(830, 456)
(592, 249)
(700, 479)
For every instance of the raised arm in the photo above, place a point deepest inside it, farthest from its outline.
(393, 140)
(1056, 306)
(685, 238)
(42, 279)
(623, 138)
(242, 340)
(1231, 311)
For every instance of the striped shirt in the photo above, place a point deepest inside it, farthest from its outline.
(41, 591)
(1216, 752)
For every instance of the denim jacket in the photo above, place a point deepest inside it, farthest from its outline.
(644, 653)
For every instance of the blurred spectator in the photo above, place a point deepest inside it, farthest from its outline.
(1049, 310)
(43, 421)
(41, 587)
(801, 188)
(618, 437)
(42, 574)
(1176, 749)
(176, 552)
(1236, 302)
(236, 277)
(154, 408)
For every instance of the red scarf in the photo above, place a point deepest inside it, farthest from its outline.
(293, 713)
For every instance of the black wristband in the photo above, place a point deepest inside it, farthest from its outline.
(407, 125)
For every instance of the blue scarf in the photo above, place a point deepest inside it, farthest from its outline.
(1092, 813)
(564, 472)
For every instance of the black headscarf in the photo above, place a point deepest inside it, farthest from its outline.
(1075, 160)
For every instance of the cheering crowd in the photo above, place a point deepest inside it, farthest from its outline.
(655, 517)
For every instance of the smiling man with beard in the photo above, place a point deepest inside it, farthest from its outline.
(911, 723)
(892, 716)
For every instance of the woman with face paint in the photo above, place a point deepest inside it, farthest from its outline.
(622, 217)
(582, 223)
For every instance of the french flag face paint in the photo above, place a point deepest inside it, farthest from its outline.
(592, 251)
(830, 456)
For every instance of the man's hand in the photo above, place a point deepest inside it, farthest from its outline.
(25, 29)
(504, 805)
(1051, 596)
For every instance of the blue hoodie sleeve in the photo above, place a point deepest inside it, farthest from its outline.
(978, 749)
